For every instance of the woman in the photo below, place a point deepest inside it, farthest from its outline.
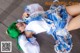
(68, 11)
(55, 24)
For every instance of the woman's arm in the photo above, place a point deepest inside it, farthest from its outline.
(29, 34)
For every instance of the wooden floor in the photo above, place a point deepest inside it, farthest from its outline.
(11, 10)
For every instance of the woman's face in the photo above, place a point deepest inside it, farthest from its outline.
(21, 26)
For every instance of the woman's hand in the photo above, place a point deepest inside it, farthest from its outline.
(25, 15)
(28, 34)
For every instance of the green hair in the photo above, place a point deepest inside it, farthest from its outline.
(13, 32)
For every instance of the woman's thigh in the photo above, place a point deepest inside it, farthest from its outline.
(73, 9)
(74, 23)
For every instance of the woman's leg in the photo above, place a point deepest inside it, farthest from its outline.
(74, 23)
(73, 10)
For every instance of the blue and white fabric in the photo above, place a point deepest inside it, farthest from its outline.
(58, 16)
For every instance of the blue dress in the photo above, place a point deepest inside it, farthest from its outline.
(58, 16)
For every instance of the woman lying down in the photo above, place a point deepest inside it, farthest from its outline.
(56, 21)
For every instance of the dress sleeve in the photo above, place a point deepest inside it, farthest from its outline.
(27, 46)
